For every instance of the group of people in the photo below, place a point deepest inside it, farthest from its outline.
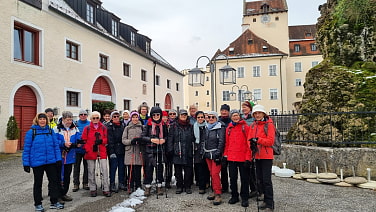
(205, 148)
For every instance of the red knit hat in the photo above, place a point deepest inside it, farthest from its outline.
(164, 113)
(249, 104)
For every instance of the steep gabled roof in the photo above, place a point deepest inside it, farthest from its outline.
(249, 44)
(265, 6)
(300, 32)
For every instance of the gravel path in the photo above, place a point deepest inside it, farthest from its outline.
(290, 195)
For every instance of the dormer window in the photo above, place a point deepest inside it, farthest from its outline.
(90, 13)
(147, 47)
(265, 49)
(231, 50)
(265, 8)
(133, 39)
(114, 27)
(250, 41)
(308, 34)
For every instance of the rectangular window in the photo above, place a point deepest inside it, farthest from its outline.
(72, 99)
(126, 70)
(315, 63)
(298, 82)
(256, 71)
(298, 67)
(297, 48)
(157, 80)
(241, 96)
(207, 104)
(103, 62)
(225, 95)
(143, 75)
(133, 39)
(273, 94)
(114, 27)
(196, 93)
(177, 87)
(273, 111)
(313, 47)
(240, 72)
(272, 70)
(89, 13)
(257, 94)
(207, 92)
(26, 44)
(71, 50)
(147, 48)
(169, 84)
(127, 104)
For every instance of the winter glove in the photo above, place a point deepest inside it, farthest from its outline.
(113, 156)
(134, 141)
(59, 163)
(217, 161)
(27, 169)
(253, 145)
(247, 164)
(98, 141)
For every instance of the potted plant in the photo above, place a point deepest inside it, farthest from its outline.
(12, 135)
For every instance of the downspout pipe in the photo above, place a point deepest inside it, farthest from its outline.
(154, 92)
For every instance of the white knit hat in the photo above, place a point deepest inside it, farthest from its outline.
(258, 108)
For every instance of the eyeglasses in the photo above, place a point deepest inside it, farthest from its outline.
(211, 117)
(172, 114)
(156, 114)
(200, 117)
(115, 116)
(94, 118)
(83, 114)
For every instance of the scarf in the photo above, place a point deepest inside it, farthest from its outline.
(210, 126)
(183, 123)
(234, 123)
(153, 130)
(196, 130)
(143, 117)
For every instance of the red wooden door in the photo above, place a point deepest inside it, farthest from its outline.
(167, 102)
(25, 109)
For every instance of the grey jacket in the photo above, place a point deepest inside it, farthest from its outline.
(133, 153)
(214, 142)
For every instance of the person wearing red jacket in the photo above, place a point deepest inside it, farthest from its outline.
(238, 156)
(95, 137)
(261, 143)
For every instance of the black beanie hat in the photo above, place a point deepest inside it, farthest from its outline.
(155, 110)
(225, 107)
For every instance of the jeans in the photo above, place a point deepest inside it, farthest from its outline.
(264, 177)
(117, 164)
(53, 181)
(76, 170)
(234, 167)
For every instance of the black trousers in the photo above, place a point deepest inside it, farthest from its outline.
(153, 160)
(134, 176)
(53, 183)
(224, 176)
(168, 174)
(252, 177)
(186, 180)
(264, 178)
(76, 170)
(64, 179)
(234, 168)
(202, 175)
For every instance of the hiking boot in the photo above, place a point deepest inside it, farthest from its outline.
(260, 197)
(107, 193)
(147, 192)
(252, 194)
(262, 206)
(93, 193)
(86, 187)
(211, 196)
(39, 208)
(122, 187)
(202, 191)
(269, 209)
(159, 191)
(217, 199)
(113, 188)
(188, 191)
(76, 188)
(67, 198)
(245, 203)
(57, 206)
(179, 190)
(224, 190)
(233, 200)
(61, 201)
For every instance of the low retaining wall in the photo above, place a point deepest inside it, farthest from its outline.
(335, 158)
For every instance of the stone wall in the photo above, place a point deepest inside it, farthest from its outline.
(335, 158)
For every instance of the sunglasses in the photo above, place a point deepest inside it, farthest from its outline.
(156, 114)
(115, 116)
(95, 118)
(83, 114)
(211, 117)
(172, 114)
(200, 117)
(184, 114)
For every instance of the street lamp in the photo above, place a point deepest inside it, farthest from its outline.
(197, 76)
(246, 95)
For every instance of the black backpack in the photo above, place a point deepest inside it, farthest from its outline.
(277, 146)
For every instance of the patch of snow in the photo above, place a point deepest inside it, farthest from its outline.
(134, 199)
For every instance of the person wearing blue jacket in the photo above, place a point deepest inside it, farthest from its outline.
(81, 123)
(68, 136)
(42, 154)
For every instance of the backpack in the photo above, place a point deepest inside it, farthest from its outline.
(35, 133)
(277, 146)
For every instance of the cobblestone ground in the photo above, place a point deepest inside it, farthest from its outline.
(290, 195)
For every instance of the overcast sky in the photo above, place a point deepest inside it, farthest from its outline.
(182, 31)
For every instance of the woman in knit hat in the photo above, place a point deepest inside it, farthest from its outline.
(126, 118)
(133, 151)
(247, 112)
(212, 152)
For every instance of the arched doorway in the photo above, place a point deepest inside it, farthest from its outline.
(168, 102)
(101, 92)
(25, 109)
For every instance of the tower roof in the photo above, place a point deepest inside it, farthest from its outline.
(264, 6)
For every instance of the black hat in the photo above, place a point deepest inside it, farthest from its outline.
(225, 107)
(155, 110)
(49, 110)
(183, 111)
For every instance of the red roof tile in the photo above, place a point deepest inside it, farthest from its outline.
(265, 6)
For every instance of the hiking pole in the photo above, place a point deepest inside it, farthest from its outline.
(163, 154)
(131, 169)
(254, 150)
(156, 169)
